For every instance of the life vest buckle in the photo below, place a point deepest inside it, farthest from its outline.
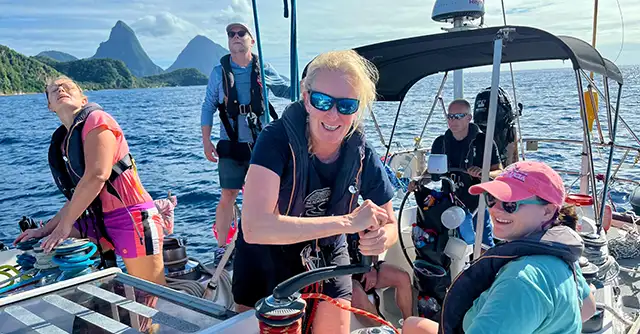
(244, 109)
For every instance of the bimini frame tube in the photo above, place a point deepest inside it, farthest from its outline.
(502, 35)
(433, 107)
(607, 98)
(610, 162)
(587, 161)
(265, 90)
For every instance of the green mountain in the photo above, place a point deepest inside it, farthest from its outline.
(201, 53)
(57, 55)
(124, 45)
(22, 74)
(180, 77)
(95, 73)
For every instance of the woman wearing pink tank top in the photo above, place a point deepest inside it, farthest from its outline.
(123, 215)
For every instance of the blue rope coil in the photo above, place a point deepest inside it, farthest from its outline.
(26, 261)
(72, 258)
(74, 261)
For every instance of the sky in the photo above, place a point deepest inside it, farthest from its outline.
(164, 27)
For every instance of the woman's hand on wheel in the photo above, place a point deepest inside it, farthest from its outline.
(373, 242)
(368, 216)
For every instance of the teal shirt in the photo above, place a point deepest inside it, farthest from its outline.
(533, 294)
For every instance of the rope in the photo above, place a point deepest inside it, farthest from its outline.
(195, 288)
(347, 308)
(6, 270)
(627, 246)
(597, 252)
(44, 261)
(26, 260)
(313, 288)
(294, 328)
(74, 261)
(20, 284)
(615, 313)
(189, 286)
(622, 26)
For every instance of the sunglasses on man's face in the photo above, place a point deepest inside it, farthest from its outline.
(324, 102)
(512, 207)
(456, 116)
(240, 33)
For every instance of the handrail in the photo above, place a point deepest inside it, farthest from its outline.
(576, 141)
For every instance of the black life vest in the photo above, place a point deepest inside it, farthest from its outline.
(231, 108)
(560, 241)
(67, 168)
(471, 155)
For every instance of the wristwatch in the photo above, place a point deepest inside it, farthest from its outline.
(376, 266)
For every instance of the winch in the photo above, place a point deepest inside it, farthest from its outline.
(176, 261)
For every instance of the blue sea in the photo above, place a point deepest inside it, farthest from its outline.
(162, 127)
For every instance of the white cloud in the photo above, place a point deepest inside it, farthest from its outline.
(163, 24)
(236, 11)
(164, 27)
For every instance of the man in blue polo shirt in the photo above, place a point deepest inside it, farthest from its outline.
(235, 90)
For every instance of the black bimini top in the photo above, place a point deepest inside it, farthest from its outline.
(403, 62)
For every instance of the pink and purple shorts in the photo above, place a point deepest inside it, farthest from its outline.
(135, 231)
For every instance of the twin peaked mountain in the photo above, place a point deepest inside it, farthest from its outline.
(200, 53)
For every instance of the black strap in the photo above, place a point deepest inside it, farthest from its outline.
(224, 118)
(272, 112)
(118, 168)
(376, 299)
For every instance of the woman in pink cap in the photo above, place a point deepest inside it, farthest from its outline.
(529, 294)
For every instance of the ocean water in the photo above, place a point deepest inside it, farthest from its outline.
(162, 127)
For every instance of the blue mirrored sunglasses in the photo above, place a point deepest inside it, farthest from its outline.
(512, 207)
(457, 116)
(324, 102)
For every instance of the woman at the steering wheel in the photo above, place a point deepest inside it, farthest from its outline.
(302, 187)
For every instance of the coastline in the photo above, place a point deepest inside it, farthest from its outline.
(19, 93)
(96, 90)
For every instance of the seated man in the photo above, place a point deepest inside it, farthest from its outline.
(382, 275)
(463, 143)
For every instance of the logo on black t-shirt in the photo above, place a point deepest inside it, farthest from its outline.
(315, 205)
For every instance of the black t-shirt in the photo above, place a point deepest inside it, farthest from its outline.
(319, 185)
(272, 151)
(462, 154)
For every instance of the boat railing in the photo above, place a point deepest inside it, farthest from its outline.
(530, 144)
(578, 142)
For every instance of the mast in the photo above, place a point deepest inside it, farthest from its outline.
(460, 13)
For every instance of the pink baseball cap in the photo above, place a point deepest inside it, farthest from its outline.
(522, 180)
